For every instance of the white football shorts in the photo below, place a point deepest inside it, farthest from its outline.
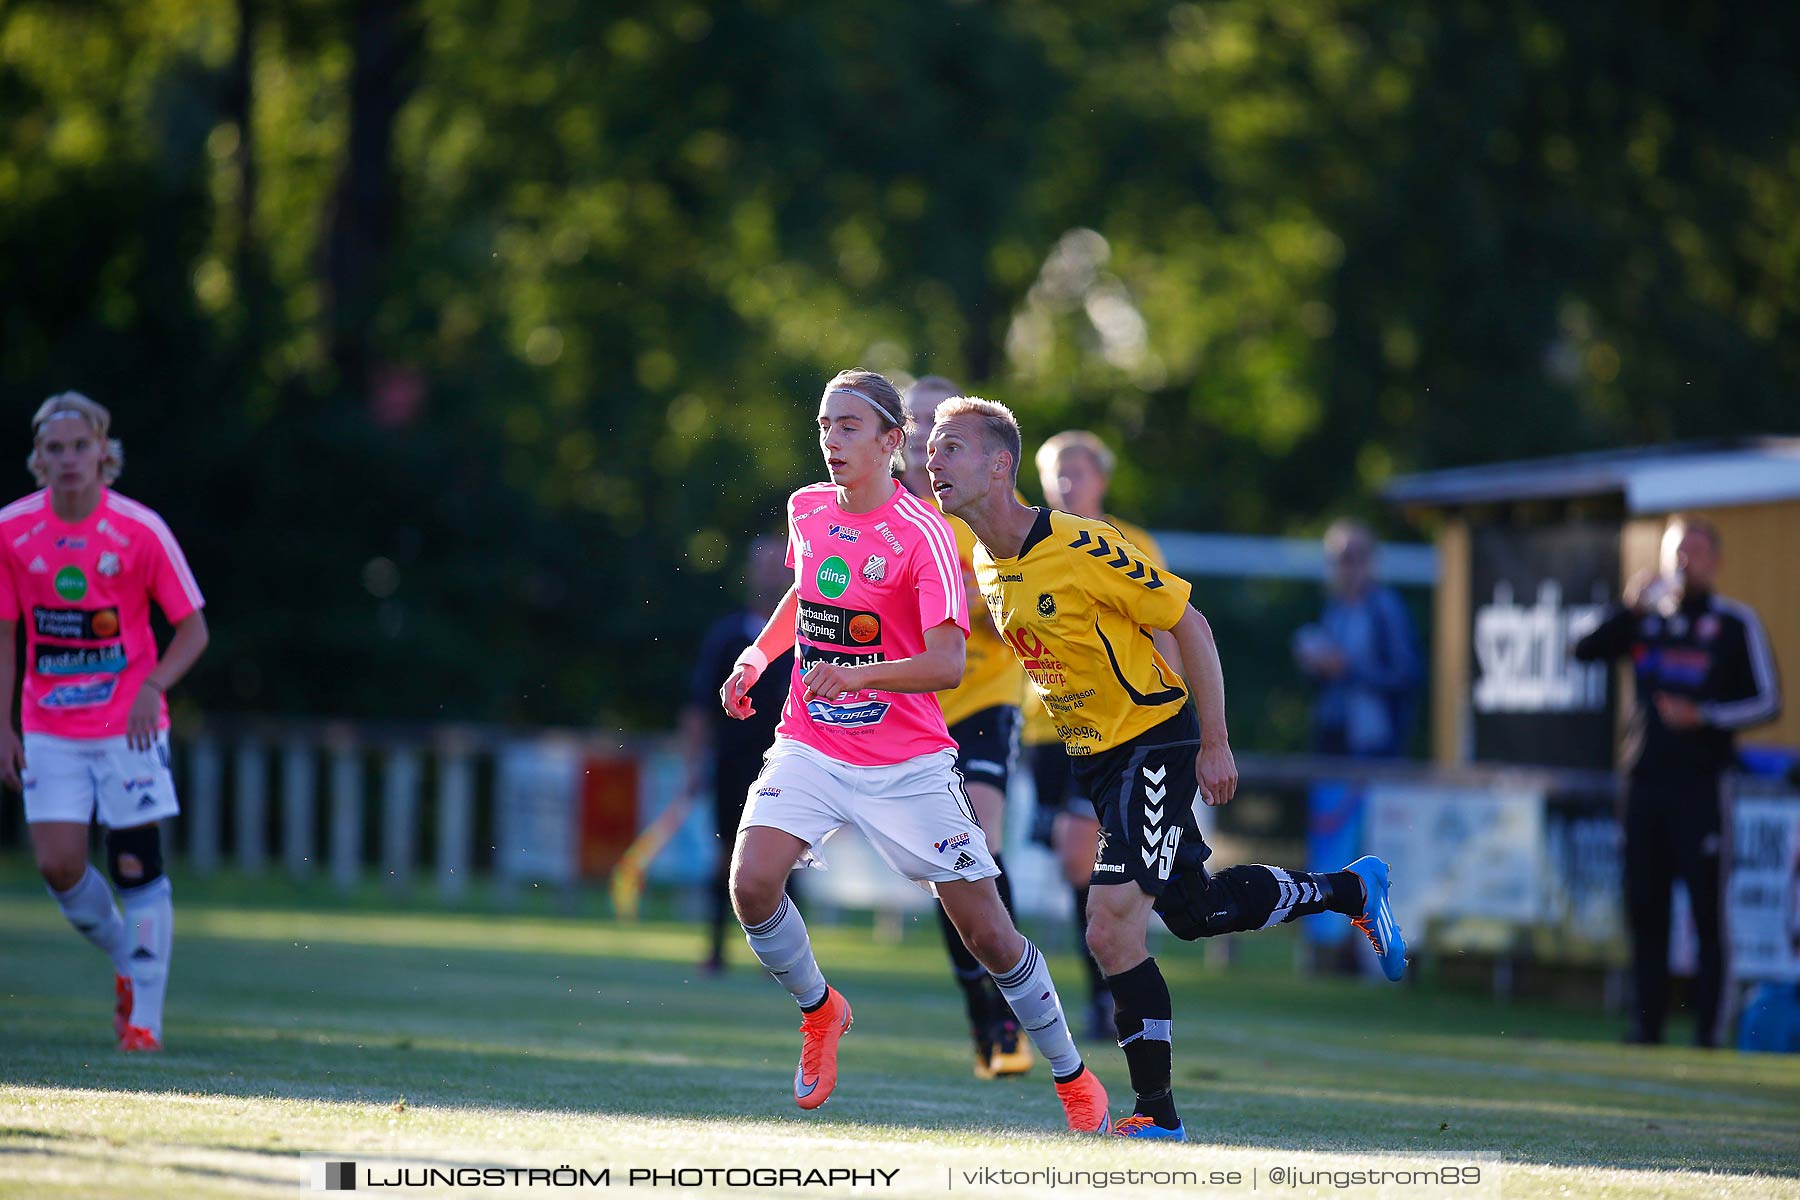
(69, 779)
(914, 813)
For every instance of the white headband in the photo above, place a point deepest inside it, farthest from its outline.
(66, 412)
(845, 391)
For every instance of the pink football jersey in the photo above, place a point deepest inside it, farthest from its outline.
(870, 585)
(84, 591)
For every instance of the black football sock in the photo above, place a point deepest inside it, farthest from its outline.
(980, 998)
(1343, 892)
(1002, 1010)
(1264, 896)
(1144, 1017)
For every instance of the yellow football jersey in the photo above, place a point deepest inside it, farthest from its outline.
(1039, 728)
(991, 674)
(1077, 607)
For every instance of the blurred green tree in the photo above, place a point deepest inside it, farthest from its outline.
(464, 345)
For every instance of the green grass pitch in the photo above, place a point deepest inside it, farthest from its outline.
(299, 1031)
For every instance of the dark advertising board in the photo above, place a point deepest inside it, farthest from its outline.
(1532, 592)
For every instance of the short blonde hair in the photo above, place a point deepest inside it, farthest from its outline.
(1075, 439)
(999, 428)
(74, 404)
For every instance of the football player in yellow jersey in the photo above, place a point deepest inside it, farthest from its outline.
(1079, 606)
(983, 715)
(1075, 469)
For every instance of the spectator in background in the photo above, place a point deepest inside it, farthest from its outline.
(731, 749)
(1703, 671)
(1362, 653)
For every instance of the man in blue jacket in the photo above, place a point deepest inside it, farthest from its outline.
(1362, 654)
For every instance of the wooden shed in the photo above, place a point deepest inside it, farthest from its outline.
(1529, 551)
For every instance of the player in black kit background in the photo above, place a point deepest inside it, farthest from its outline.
(733, 750)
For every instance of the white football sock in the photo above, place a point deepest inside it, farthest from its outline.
(1028, 988)
(782, 945)
(90, 909)
(150, 916)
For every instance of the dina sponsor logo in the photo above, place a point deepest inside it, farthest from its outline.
(952, 843)
(833, 577)
(79, 695)
(79, 660)
(71, 583)
(1522, 654)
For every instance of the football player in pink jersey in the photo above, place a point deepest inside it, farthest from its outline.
(877, 617)
(82, 565)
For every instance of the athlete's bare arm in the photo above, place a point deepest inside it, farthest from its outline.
(776, 639)
(940, 667)
(1165, 646)
(185, 648)
(1216, 768)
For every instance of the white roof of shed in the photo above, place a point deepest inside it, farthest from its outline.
(1651, 479)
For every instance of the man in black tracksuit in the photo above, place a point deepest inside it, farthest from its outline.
(1703, 671)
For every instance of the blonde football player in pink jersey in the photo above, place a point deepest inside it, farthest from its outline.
(877, 617)
(82, 566)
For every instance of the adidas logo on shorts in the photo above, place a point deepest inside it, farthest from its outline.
(963, 862)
